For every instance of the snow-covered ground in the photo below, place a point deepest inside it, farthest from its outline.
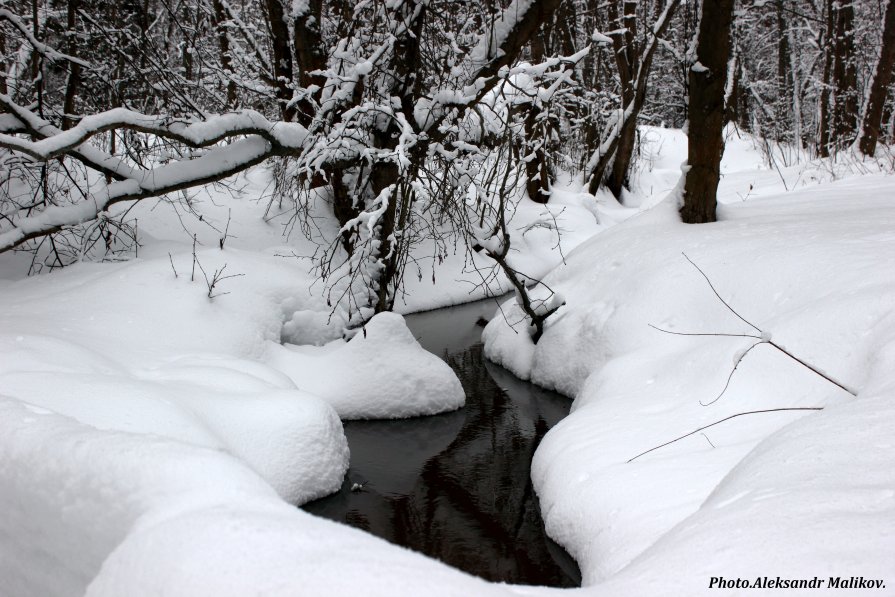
(152, 438)
(792, 493)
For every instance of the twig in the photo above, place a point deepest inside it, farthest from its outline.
(812, 368)
(732, 371)
(226, 229)
(195, 259)
(171, 259)
(751, 412)
(216, 278)
(704, 333)
(763, 338)
(712, 286)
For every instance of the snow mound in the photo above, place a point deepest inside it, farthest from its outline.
(70, 493)
(758, 494)
(293, 440)
(382, 372)
(111, 513)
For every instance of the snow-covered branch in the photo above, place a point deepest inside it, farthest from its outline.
(43, 49)
(193, 134)
(253, 140)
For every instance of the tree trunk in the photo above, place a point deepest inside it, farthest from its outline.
(796, 87)
(537, 172)
(627, 60)
(282, 57)
(634, 67)
(3, 88)
(311, 58)
(784, 78)
(220, 25)
(74, 72)
(845, 76)
(882, 80)
(537, 176)
(824, 133)
(385, 174)
(37, 61)
(705, 136)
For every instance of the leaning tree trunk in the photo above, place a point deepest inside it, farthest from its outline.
(627, 60)
(705, 137)
(882, 80)
(611, 162)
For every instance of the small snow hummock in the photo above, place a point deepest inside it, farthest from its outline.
(382, 372)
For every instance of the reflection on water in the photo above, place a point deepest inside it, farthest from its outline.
(457, 486)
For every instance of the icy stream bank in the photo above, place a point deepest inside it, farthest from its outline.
(457, 486)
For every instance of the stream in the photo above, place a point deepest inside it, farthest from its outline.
(456, 486)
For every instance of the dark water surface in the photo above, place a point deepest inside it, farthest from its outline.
(457, 486)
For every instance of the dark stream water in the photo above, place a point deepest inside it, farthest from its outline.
(457, 486)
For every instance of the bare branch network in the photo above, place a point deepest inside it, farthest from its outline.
(390, 112)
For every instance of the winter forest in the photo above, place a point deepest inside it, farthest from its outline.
(447, 297)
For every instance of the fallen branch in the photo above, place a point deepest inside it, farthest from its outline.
(703, 428)
(763, 337)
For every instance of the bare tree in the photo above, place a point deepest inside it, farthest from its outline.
(610, 162)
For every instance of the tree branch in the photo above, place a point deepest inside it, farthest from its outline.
(751, 412)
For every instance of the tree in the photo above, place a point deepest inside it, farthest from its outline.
(881, 86)
(610, 162)
(350, 100)
(706, 109)
(839, 99)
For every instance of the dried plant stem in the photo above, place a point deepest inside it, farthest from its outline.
(704, 427)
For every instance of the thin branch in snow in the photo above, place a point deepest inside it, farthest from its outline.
(216, 278)
(195, 259)
(703, 428)
(723, 302)
(223, 239)
(703, 333)
(732, 371)
(763, 338)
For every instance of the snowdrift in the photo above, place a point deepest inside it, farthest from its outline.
(791, 493)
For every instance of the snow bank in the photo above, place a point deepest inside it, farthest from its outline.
(783, 493)
(382, 372)
(141, 418)
(71, 493)
(177, 520)
(127, 350)
(149, 434)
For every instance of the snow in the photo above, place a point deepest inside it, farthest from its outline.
(489, 46)
(130, 401)
(154, 441)
(759, 494)
(541, 235)
(359, 377)
(115, 369)
(114, 513)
